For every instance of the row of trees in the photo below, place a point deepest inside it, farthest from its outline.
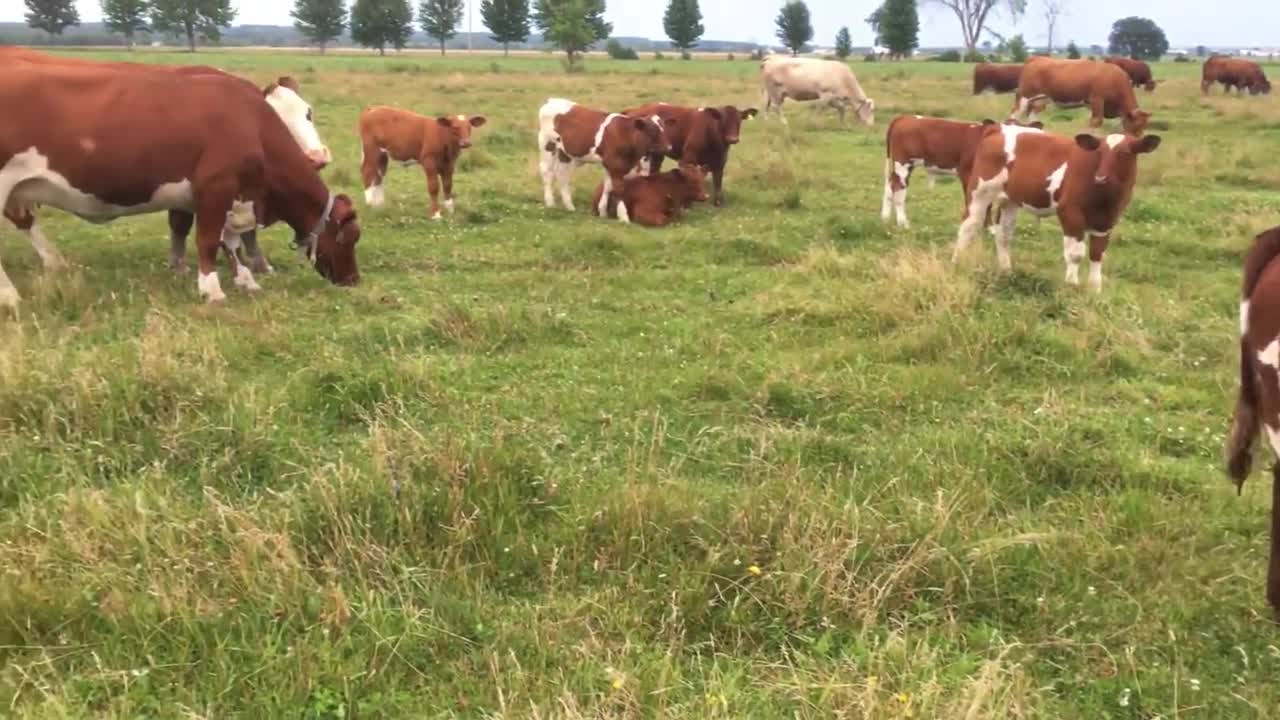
(191, 19)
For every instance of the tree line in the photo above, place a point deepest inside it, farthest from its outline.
(573, 26)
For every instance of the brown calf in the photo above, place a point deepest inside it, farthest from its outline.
(84, 139)
(698, 136)
(1085, 181)
(1258, 401)
(996, 78)
(1105, 89)
(941, 147)
(570, 135)
(435, 143)
(1138, 72)
(1234, 72)
(654, 200)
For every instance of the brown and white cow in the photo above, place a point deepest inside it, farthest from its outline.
(1234, 73)
(102, 144)
(435, 143)
(996, 77)
(654, 200)
(570, 135)
(284, 96)
(1258, 400)
(698, 136)
(1139, 72)
(941, 147)
(1105, 89)
(1086, 181)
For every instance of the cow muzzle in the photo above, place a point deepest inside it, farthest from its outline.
(320, 158)
(464, 144)
(1101, 180)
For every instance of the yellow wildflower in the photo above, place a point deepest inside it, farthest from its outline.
(754, 569)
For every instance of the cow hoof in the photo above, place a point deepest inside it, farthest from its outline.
(437, 216)
(261, 266)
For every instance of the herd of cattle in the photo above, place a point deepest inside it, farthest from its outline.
(102, 140)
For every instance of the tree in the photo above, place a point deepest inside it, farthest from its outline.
(192, 18)
(1073, 52)
(844, 43)
(320, 21)
(683, 23)
(973, 15)
(440, 19)
(380, 24)
(1017, 48)
(1201, 51)
(1053, 9)
(52, 16)
(794, 26)
(1138, 38)
(873, 21)
(899, 26)
(507, 20)
(127, 17)
(572, 25)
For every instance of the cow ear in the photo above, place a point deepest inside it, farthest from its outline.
(287, 81)
(445, 122)
(1085, 141)
(749, 113)
(641, 124)
(477, 120)
(714, 113)
(344, 211)
(987, 122)
(1147, 144)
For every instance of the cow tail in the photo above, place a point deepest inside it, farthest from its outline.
(1245, 422)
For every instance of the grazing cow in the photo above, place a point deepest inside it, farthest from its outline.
(284, 96)
(570, 135)
(102, 144)
(654, 200)
(1139, 72)
(1085, 181)
(806, 79)
(941, 147)
(698, 136)
(1234, 72)
(433, 142)
(1106, 89)
(1258, 401)
(996, 77)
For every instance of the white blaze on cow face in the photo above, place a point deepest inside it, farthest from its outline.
(297, 116)
(1114, 140)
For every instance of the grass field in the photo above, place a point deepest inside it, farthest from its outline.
(776, 461)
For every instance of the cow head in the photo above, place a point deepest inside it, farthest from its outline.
(283, 97)
(1135, 121)
(1118, 161)
(1150, 86)
(731, 122)
(459, 126)
(867, 112)
(335, 246)
(649, 138)
(692, 181)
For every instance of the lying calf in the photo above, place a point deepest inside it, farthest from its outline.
(655, 199)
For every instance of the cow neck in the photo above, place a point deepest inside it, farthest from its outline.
(298, 194)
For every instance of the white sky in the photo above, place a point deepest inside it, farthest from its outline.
(1187, 23)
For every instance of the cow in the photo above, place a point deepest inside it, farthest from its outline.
(1105, 89)
(941, 147)
(656, 199)
(1086, 181)
(570, 135)
(805, 79)
(698, 136)
(284, 96)
(1258, 398)
(435, 143)
(1234, 72)
(102, 144)
(996, 77)
(1139, 72)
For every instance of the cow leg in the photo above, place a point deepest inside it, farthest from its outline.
(433, 187)
(896, 191)
(1097, 111)
(610, 182)
(373, 171)
(981, 197)
(243, 276)
(1072, 254)
(25, 221)
(446, 180)
(1004, 235)
(717, 184)
(209, 227)
(253, 251)
(1097, 248)
(179, 227)
(549, 167)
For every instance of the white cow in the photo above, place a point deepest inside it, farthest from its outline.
(803, 79)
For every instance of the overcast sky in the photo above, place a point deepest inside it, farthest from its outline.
(1187, 23)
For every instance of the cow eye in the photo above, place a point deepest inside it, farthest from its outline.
(309, 115)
